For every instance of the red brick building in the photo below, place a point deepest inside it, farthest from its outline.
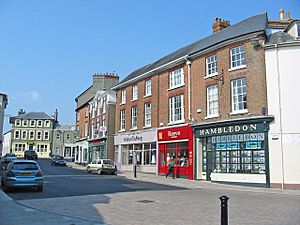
(207, 103)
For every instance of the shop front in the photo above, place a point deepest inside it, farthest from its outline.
(176, 143)
(97, 150)
(81, 155)
(136, 148)
(233, 151)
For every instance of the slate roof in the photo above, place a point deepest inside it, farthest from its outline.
(250, 25)
(34, 115)
(279, 37)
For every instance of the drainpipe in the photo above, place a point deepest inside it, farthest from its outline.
(280, 115)
(189, 63)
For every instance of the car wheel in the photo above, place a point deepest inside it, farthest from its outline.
(88, 170)
(99, 171)
(40, 188)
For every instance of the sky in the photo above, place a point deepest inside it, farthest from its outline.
(50, 49)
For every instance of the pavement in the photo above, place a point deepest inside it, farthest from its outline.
(193, 184)
(20, 213)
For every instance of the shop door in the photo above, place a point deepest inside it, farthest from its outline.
(31, 147)
(162, 167)
(208, 165)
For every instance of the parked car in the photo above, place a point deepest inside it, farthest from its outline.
(22, 173)
(9, 157)
(58, 160)
(30, 154)
(102, 166)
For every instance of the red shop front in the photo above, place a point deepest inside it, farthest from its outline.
(176, 142)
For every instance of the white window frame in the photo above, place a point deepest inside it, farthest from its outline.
(148, 114)
(104, 105)
(212, 101)
(86, 129)
(32, 123)
(135, 91)
(176, 78)
(87, 111)
(211, 66)
(174, 110)
(237, 57)
(39, 123)
(46, 135)
(235, 95)
(58, 136)
(24, 134)
(18, 123)
(25, 123)
(39, 135)
(17, 134)
(122, 120)
(134, 117)
(148, 87)
(31, 135)
(123, 96)
(47, 123)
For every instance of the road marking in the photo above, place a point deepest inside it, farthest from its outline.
(70, 175)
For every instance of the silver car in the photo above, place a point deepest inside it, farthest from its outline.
(22, 173)
(102, 166)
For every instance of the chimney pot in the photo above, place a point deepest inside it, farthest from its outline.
(288, 15)
(281, 14)
(220, 24)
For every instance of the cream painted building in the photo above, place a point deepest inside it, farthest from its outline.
(282, 54)
(32, 131)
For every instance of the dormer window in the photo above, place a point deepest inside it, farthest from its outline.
(18, 123)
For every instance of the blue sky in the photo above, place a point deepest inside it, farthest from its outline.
(51, 48)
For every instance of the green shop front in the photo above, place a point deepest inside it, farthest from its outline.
(233, 151)
(96, 150)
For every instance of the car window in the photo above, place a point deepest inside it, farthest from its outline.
(24, 166)
(94, 162)
(110, 162)
(99, 162)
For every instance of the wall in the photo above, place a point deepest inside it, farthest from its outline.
(284, 136)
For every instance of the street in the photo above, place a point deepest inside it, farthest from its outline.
(116, 200)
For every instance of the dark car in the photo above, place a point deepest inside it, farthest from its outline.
(30, 154)
(9, 157)
(58, 160)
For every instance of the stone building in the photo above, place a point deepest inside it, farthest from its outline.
(94, 119)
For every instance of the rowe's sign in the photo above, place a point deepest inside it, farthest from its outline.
(174, 133)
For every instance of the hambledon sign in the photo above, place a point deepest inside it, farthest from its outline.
(234, 129)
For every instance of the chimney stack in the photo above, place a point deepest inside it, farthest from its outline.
(21, 111)
(281, 14)
(220, 24)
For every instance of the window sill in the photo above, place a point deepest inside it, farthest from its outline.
(123, 103)
(133, 100)
(211, 75)
(239, 112)
(147, 127)
(211, 116)
(147, 96)
(176, 122)
(172, 88)
(135, 128)
(237, 68)
(120, 131)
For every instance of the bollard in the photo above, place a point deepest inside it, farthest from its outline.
(224, 210)
(134, 168)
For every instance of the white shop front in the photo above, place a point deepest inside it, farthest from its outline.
(140, 148)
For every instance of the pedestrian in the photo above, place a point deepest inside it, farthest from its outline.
(170, 167)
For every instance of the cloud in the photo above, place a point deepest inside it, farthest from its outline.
(34, 96)
(31, 96)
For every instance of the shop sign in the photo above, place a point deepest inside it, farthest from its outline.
(30, 142)
(175, 133)
(96, 142)
(234, 129)
(133, 137)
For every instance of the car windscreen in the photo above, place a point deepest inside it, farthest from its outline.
(25, 166)
(108, 162)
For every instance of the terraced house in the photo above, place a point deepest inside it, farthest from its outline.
(32, 131)
(205, 105)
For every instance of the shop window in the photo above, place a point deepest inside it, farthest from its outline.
(242, 153)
